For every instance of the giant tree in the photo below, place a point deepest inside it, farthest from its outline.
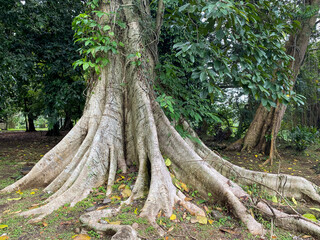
(263, 130)
(122, 125)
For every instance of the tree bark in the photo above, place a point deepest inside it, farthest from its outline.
(31, 127)
(68, 124)
(263, 130)
(122, 125)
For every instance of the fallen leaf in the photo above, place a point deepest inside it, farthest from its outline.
(306, 236)
(294, 201)
(115, 197)
(317, 209)
(274, 199)
(210, 221)
(14, 199)
(123, 177)
(168, 162)
(115, 223)
(173, 217)
(188, 199)
(202, 219)
(136, 211)
(19, 192)
(45, 224)
(102, 207)
(159, 214)
(82, 237)
(170, 229)
(15, 212)
(193, 220)
(177, 185)
(3, 226)
(227, 230)
(32, 193)
(6, 211)
(184, 187)
(4, 237)
(310, 217)
(122, 186)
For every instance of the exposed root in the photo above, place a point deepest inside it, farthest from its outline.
(118, 232)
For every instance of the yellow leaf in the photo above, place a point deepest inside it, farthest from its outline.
(177, 185)
(256, 156)
(173, 217)
(45, 224)
(210, 221)
(19, 192)
(32, 193)
(14, 199)
(115, 197)
(122, 186)
(82, 237)
(202, 219)
(168, 162)
(294, 201)
(115, 223)
(184, 186)
(289, 168)
(4, 237)
(136, 211)
(122, 177)
(317, 209)
(3, 226)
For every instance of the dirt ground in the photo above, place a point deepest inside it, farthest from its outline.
(19, 151)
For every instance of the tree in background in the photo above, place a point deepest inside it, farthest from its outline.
(38, 51)
(262, 133)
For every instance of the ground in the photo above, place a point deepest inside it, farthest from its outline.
(19, 151)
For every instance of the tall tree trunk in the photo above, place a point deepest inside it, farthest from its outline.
(68, 124)
(263, 130)
(122, 125)
(31, 127)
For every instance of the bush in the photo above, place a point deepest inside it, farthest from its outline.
(303, 136)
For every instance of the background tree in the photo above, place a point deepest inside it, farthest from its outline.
(264, 128)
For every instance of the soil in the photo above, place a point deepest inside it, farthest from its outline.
(19, 151)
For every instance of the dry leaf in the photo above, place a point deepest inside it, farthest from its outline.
(122, 186)
(102, 207)
(82, 237)
(4, 237)
(45, 224)
(193, 220)
(170, 229)
(115, 197)
(184, 186)
(202, 219)
(173, 217)
(210, 221)
(306, 236)
(15, 212)
(159, 214)
(227, 230)
(188, 199)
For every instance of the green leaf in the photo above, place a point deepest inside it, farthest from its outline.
(310, 217)
(85, 66)
(106, 28)
(168, 162)
(274, 199)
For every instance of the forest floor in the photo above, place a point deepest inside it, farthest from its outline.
(19, 151)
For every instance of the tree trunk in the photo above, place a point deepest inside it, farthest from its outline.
(263, 130)
(55, 131)
(68, 124)
(31, 127)
(122, 125)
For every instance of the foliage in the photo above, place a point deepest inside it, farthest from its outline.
(95, 29)
(38, 50)
(303, 137)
